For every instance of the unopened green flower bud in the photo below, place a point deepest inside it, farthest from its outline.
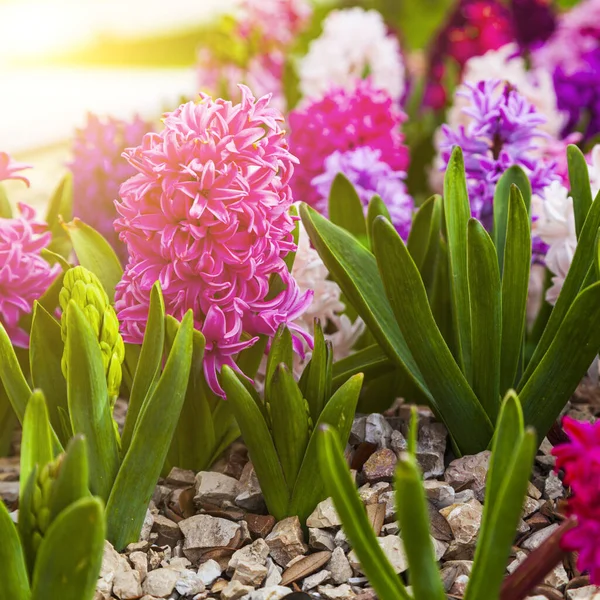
(85, 289)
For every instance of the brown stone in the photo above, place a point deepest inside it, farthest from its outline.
(380, 466)
(260, 526)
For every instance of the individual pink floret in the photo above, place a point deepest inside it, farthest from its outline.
(9, 168)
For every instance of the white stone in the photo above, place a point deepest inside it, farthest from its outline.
(209, 572)
(160, 583)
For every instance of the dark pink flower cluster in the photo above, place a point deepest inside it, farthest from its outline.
(580, 460)
(207, 216)
(344, 120)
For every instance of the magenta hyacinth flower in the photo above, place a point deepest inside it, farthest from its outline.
(370, 176)
(503, 131)
(580, 460)
(342, 121)
(9, 168)
(24, 274)
(207, 215)
(99, 169)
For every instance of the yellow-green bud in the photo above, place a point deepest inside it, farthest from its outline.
(40, 504)
(85, 289)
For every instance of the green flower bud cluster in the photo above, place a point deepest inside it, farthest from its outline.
(85, 289)
(42, 494)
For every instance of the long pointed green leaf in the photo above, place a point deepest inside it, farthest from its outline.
(357, 527)
(346, 208)
(141, 466)
(413, 518)
(486, 317)
(339, 412)
(376, 208)
(515, 285)
(371, 361)
(149, 364)
(290, 423)
(581, 190)
(259, 442)
(5, 207)
(318, 382)
(281, 352)
(453, 399)
(11, 375)
(457, 212)
(564, 364)
(8, 422)
(14, 583)
(89, 407)
(580, 265)
(70, 556)
(355, 270)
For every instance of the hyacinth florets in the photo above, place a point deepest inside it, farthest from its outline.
(503, 131)
(342, 121)
(99, 169)
(9, 168)
(24, 274)
(370, 176)
(207, 216)
(580, 461)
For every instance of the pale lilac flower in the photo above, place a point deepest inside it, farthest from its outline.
(370, 175)
(207, 215)
(24, 274)
(354, 43)
(9, 168)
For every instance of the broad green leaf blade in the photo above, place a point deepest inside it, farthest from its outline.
(486, 317)
(141, 466)
(376, 208)
(290, 423)
(581, 190)
(61, 203)
(36, 445)
(317, 388)
(281, 352)
(72, 482)
(453, 399)
(441, 304)
(357, 527)
(70, 556)
(89, 407)
(45, 353)
(515, 286)
(512, 176)
(14, 582)
(372, 361)
(457, 212)
(260, 445)
(11, 375)
(346, 209)
(95, 254)
(149, 364)
(498, 532)
(250, 359)
(355, 270)
(580, 265)
(413, 518)
(8, 422)
(564, 364)
(339, 412)
(5, 207)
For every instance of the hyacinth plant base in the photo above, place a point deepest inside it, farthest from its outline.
(208, 534)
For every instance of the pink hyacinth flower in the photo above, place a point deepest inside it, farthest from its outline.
(9, 168)
(207, 215)
(24, 274)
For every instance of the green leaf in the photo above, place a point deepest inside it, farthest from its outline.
(580, 265)
(515, 286)
(376, 208)
(413, 518)
(290, 423)
(486, 317)
(457, 212)
(453, 399)
(581, 191)
(14, 583)
(355, 270)
(141, 467)
(441, 304)
(281, 352)
(250, 359)
(5, 207)
(260, 445)
(570, 354)
(372, 361)
(89, 407)
(346, 209)
(513, 176)
(11, 375)
(357, 527)
(61, 203)
(36, 445)
(95, 254)
(339, 412)
(70, 555)
(45, 353)
(317, 388)
(8, 423)
(149, 363)
(72, 482)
